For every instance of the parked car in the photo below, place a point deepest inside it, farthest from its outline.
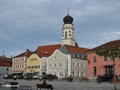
(27, 77)
(35, 77)
(48, 76)
(20, 77)
(40, 77)
(10, 76)
(107, 77)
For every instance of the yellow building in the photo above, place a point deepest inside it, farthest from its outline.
(33, 64)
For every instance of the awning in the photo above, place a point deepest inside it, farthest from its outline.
(32, 72)
(16, 72)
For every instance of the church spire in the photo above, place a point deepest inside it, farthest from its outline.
(68, 31)
(68, 11)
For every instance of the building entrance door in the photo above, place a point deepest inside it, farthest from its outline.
(109, 70)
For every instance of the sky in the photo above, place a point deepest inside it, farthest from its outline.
(27, 24)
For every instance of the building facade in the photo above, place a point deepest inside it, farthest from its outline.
(101, 65)
(33, 64)
(19, 62)
(5, 66)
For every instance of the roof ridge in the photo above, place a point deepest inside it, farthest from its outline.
(49, 45)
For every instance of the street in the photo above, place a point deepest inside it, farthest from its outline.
(64, 85)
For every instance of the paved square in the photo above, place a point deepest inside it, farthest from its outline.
(65, 85)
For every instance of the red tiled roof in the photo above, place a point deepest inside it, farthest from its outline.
(27, 53)
(8, 64)
(4, 61)
(76, 49)
(107, 45)
(47, 50)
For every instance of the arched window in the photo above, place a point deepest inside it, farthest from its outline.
(65, 35)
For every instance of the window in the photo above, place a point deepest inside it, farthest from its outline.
(49, 65)
(82, 56)
(60, 64)
(78, 64)
(38, 66)
(111, 58)
(65, 35)
(32, 67)
(35, 66)
(83, 74)
(105, 58)
(73, 64)
(83, 64)
(55, 65)
(55, 57)
(95, 71)
(7, 69)
(29, 67)
(94, 59)
(73, 55)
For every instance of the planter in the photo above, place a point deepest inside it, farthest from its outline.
(65, 79)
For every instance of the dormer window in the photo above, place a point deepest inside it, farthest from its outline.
(73, 55)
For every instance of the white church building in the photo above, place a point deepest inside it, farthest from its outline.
(64, 59)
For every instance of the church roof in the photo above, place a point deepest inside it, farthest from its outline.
(68, 19)
(47, 50)
(76, 49)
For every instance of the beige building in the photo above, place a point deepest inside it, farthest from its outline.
(19, 62)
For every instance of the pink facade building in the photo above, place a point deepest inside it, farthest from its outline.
(100, 65)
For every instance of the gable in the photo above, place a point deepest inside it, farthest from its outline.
(47, 50)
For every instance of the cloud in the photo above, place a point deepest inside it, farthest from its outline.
(27, 24)
(77, 1)
(111, 35)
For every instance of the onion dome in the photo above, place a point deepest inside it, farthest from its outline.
(68, 19)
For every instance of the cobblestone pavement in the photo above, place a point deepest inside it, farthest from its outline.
(65, 85)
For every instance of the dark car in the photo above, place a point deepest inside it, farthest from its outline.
(107, 77)
(50, 76)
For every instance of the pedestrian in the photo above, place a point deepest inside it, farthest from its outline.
(99, 80)
(49, 85)
(70, 78)
(15, 77)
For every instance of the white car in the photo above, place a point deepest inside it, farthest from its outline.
(35, 76)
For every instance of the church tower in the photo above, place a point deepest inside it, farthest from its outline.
(68, 31)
